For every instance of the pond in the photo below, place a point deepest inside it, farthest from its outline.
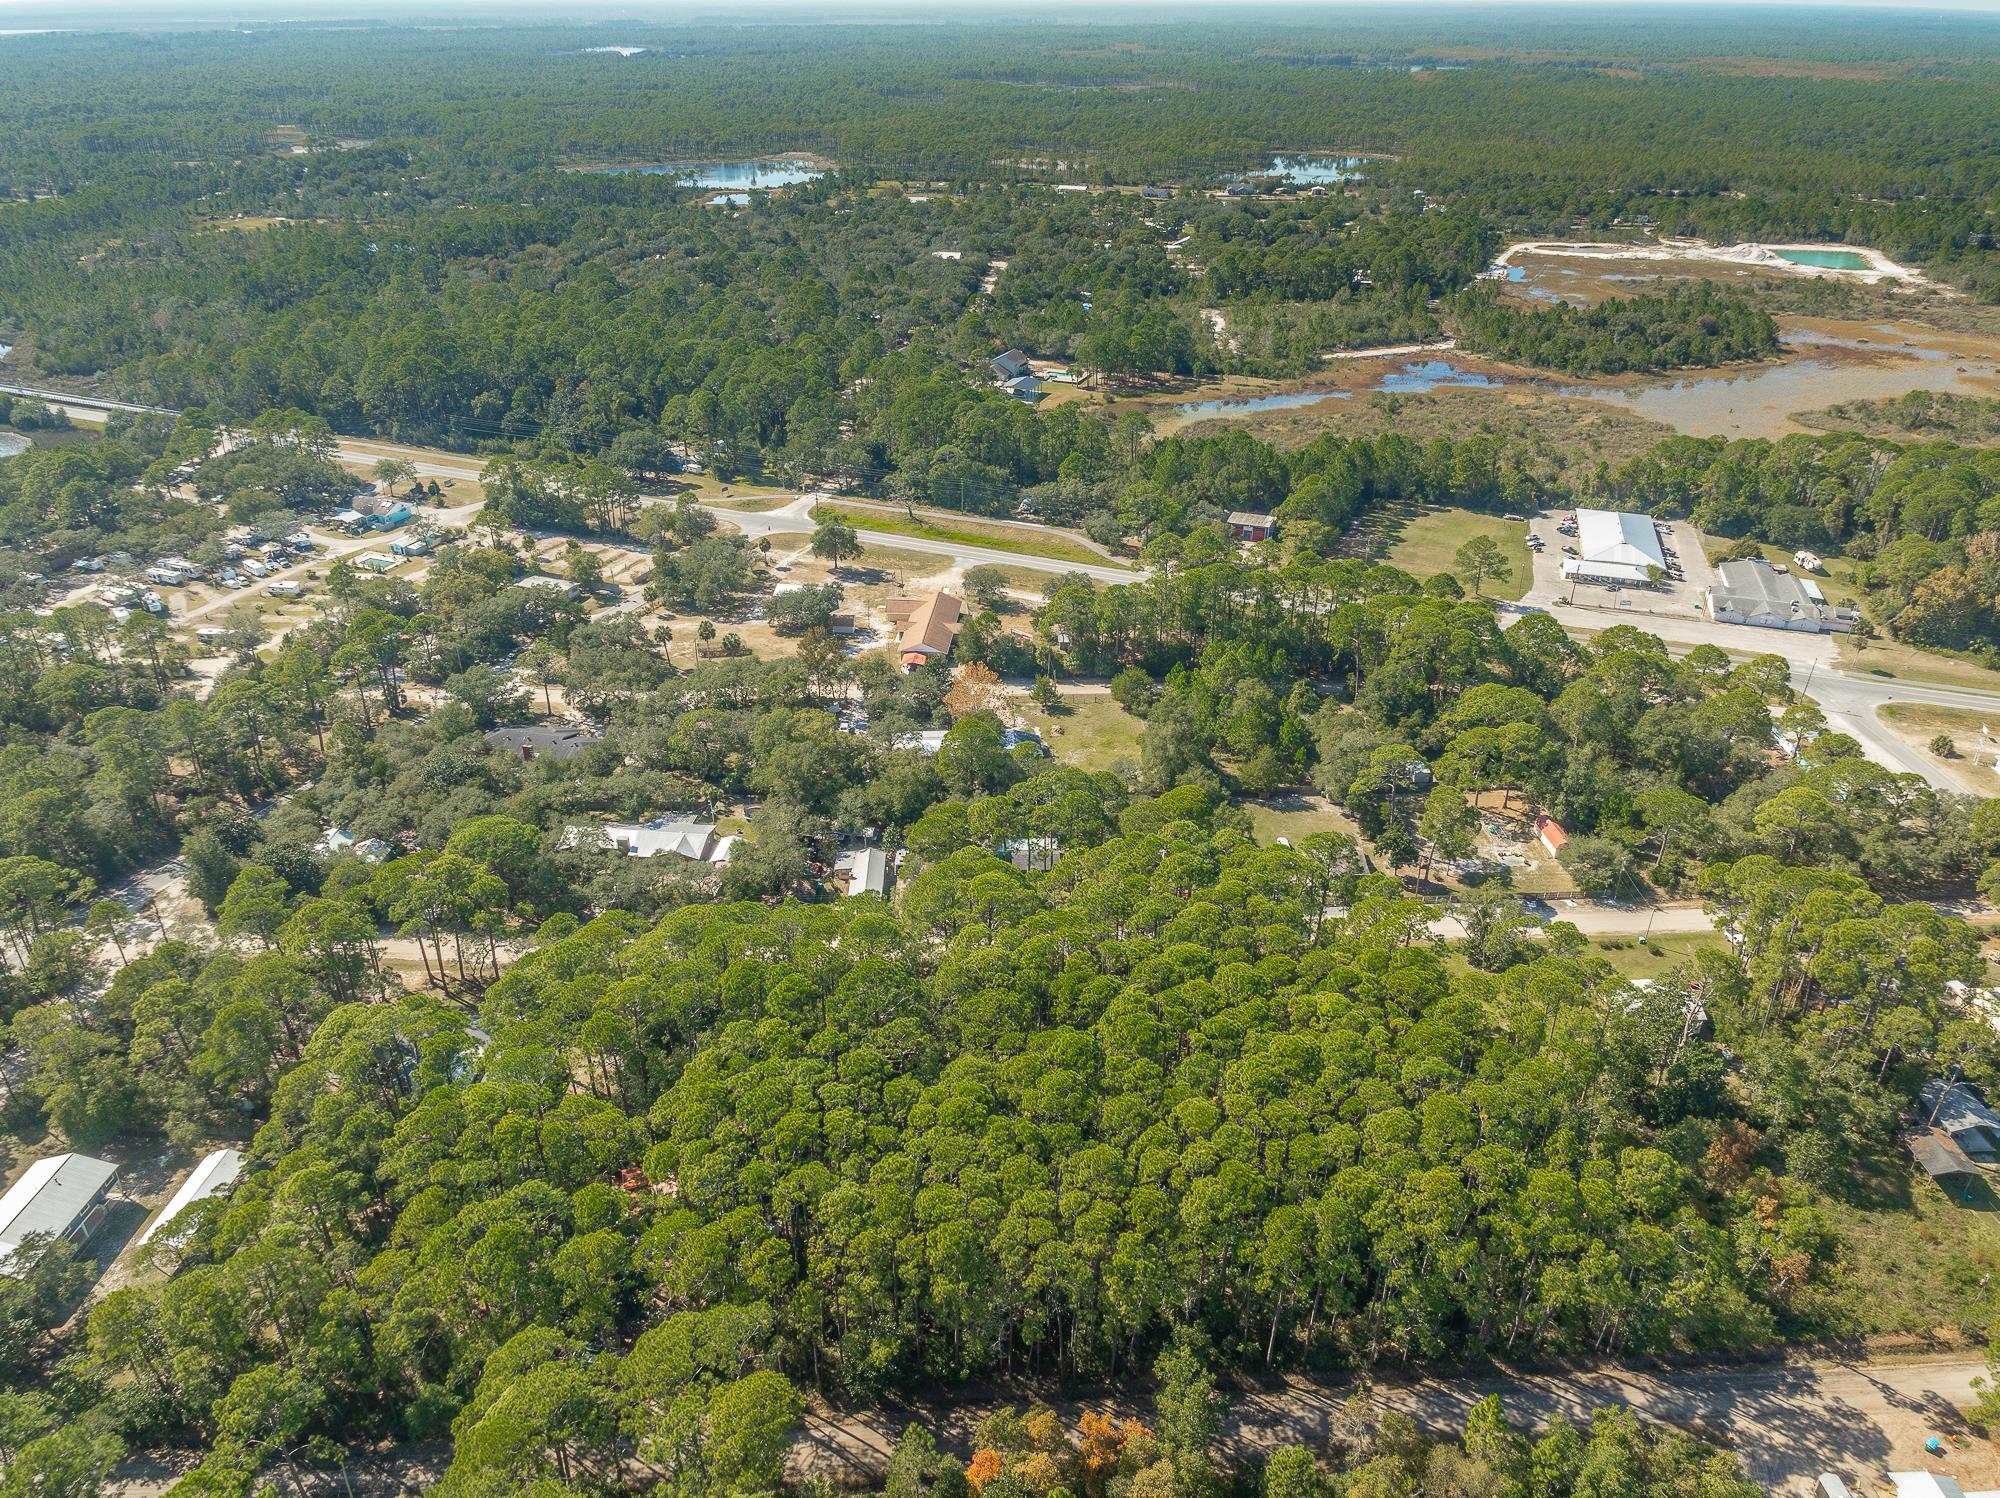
(1434, 374)
(12, 446)
(731, 174)
(1825, 259)
(1310, 171)
(1251, 404)
(1761, 402)
(1411, 379)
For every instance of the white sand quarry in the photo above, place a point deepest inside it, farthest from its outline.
(1879, 268)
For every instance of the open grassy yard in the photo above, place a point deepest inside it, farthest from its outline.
(964, 532)
(1908, 663)
(1427, 543)
(1296, 817)
(1919, 723)
(1636, 958)
(1095, 733)
(895, 565)
(1912, 1259)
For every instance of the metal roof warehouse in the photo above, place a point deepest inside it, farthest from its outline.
(1613, 546)
(61, 1198)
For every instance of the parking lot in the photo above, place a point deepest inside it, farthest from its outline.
(1680, 597)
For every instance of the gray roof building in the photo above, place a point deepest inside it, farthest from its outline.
(61, 1198)
(1939, 1158)
(1956, 1110)
(1010, 365)
(1755, 592)
(534, 740)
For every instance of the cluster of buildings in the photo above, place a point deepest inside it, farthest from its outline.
(65, 1199)
(1617, 549)
(1015, 373)
(374, 512)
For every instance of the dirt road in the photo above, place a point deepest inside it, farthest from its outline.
(1788, 1422)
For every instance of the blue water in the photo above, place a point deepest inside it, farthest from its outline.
(1250, 405)
(1825, 259)
(1411, 379)
(1309, 170)
(1433, 374)
(1517, 273)
(736, 174)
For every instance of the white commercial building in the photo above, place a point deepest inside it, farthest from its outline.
(1614, 547)
(1754, 592)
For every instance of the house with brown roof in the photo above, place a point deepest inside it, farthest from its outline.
(925, 627)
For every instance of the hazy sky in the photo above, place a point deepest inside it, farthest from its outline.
(54, 13)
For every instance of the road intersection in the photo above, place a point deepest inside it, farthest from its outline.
(1850, 702)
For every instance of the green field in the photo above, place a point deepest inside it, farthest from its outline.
(1095, 733)
(1890, 658)
(1912, 1259)
(963, 533)
(1269, 823)
(1428, 543)
(1637, 958)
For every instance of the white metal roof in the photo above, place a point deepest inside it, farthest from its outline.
(49, 1198)
(217, 1172)
(1615, 536)
(867, 871)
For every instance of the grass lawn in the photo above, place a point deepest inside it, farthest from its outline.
(1919, 723)
(1095, 734)
(1908, 663)
(1297, 817)
(901, 566)
(1911, 1257)
(1634, 958)
(1427, 543)
(963, 533)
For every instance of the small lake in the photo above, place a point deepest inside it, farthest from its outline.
(1309, 171)
(1250, 405)
(1825, 259)
(11, 445)
(740, 175)
(1434, 374)
(1760, 402)
(1412, 379)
